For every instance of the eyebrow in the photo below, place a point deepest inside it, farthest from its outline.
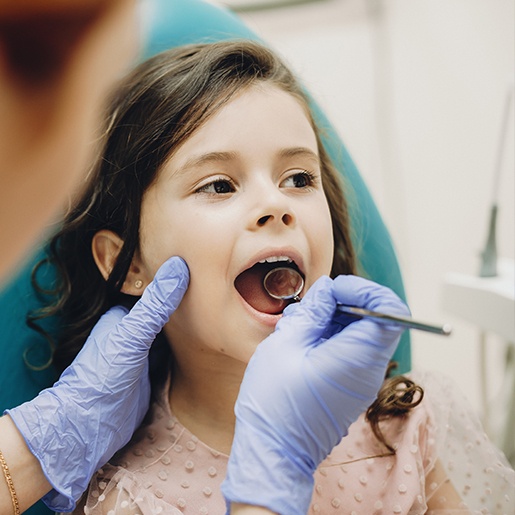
(224, 157)
(209, 157)
(299, 151)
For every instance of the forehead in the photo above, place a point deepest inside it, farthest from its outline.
(259, 119)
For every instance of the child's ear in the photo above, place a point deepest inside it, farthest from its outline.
(106, 246)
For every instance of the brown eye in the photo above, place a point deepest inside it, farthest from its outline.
(303, 179)
(222, 187)
(218, 187)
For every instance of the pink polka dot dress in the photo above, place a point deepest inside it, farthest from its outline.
(443, 464)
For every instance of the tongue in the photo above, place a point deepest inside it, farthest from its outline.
(250, 286)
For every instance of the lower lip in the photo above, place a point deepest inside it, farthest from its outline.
(262, 318)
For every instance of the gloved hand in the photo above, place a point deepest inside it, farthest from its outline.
(76, 426)
(304, 386)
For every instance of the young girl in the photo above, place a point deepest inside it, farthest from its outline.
(211, 154)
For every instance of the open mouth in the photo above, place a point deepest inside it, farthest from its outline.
(249, 285)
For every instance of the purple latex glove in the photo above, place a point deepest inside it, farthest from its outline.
(77, 425)
(303, 388)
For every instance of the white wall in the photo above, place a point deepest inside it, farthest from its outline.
(416, 90)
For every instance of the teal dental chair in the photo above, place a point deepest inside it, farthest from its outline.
(171, 23)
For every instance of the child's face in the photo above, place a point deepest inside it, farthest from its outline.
(244, 187)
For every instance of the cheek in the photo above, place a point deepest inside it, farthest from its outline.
(328, 255)
(160, 239)
(196, 241)
(324, 241)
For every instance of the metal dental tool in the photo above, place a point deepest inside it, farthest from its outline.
(286, 284)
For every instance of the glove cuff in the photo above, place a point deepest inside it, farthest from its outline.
(28, 424)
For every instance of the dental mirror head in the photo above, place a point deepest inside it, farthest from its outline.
(283, 283)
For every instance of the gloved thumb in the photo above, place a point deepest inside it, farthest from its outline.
(158, 302)
(314, 312)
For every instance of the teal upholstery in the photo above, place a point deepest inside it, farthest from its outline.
(171, 23)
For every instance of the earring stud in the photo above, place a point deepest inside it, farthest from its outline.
(138, 284)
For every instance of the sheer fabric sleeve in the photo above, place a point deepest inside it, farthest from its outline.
(471, 475)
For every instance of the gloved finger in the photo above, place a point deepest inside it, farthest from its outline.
(357, 291)
(109, 319)
(159, 300)
(314, 312)
(339, 322)
(360, 351)
(364, 342)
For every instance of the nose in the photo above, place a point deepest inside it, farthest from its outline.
(273, 208)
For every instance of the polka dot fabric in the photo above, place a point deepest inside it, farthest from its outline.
(443, 464)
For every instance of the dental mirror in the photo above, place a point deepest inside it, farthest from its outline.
(286, 283)
(283, 283)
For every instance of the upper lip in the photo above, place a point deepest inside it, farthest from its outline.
(288, 252)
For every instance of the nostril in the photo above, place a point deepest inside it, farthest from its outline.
(287, 219)
(264, 219)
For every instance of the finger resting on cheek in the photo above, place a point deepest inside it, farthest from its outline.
(174, 266)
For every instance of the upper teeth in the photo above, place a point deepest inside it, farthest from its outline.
(274, 259)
